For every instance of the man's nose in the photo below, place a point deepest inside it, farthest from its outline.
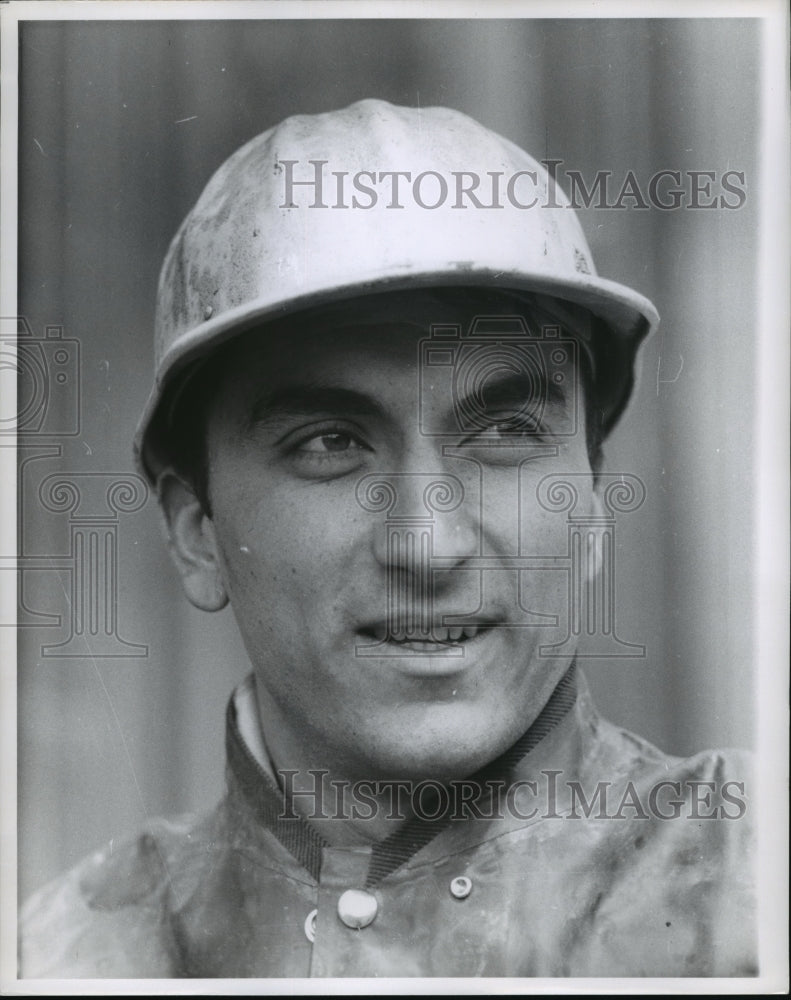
(419, 516)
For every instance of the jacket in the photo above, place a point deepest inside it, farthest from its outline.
(587, 852)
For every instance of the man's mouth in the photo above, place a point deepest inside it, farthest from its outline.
(436, 639)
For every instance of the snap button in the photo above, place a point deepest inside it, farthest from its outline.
(460, 887)
(310, 925)
(357, 908)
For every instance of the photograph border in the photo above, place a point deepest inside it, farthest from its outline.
(770, 591)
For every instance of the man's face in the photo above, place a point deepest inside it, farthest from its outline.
(338, 597)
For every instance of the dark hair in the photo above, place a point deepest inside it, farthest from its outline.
(187, 433)
(187, 436)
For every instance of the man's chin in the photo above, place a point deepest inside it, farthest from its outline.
(458, 744)
(453, 736)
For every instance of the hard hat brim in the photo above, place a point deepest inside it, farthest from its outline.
(629, 317)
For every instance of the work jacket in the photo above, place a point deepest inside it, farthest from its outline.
(585, 852)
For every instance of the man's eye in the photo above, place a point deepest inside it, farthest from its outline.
(332, 444)
(513, 428)
(510, 428)
(327, 443)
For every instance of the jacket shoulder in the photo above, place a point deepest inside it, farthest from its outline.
(679, 855)
(109, 916)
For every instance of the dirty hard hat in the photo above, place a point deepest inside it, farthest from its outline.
(373, 198)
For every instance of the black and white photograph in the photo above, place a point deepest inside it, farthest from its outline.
(394, 427)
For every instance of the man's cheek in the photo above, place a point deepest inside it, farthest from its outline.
(324, 546)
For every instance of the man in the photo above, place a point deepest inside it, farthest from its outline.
(385, 367)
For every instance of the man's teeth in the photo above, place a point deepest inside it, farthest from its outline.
(439, 633)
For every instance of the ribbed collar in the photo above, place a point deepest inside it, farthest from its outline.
(270, 806)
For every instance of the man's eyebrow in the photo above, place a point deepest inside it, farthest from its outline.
(512, 391)
(309, 399)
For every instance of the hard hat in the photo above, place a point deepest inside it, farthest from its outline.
(372, 198)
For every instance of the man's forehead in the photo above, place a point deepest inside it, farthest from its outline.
(426, 352)
(374, 362)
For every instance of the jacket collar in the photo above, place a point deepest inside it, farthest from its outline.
(252, 779)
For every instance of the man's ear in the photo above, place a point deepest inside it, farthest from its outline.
(192, 543)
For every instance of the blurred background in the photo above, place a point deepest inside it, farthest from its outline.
(121, 125)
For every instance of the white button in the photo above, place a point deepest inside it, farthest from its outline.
(460, 887)
(357, 908)
(310, 925)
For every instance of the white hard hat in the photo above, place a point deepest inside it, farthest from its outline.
(307, 214)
